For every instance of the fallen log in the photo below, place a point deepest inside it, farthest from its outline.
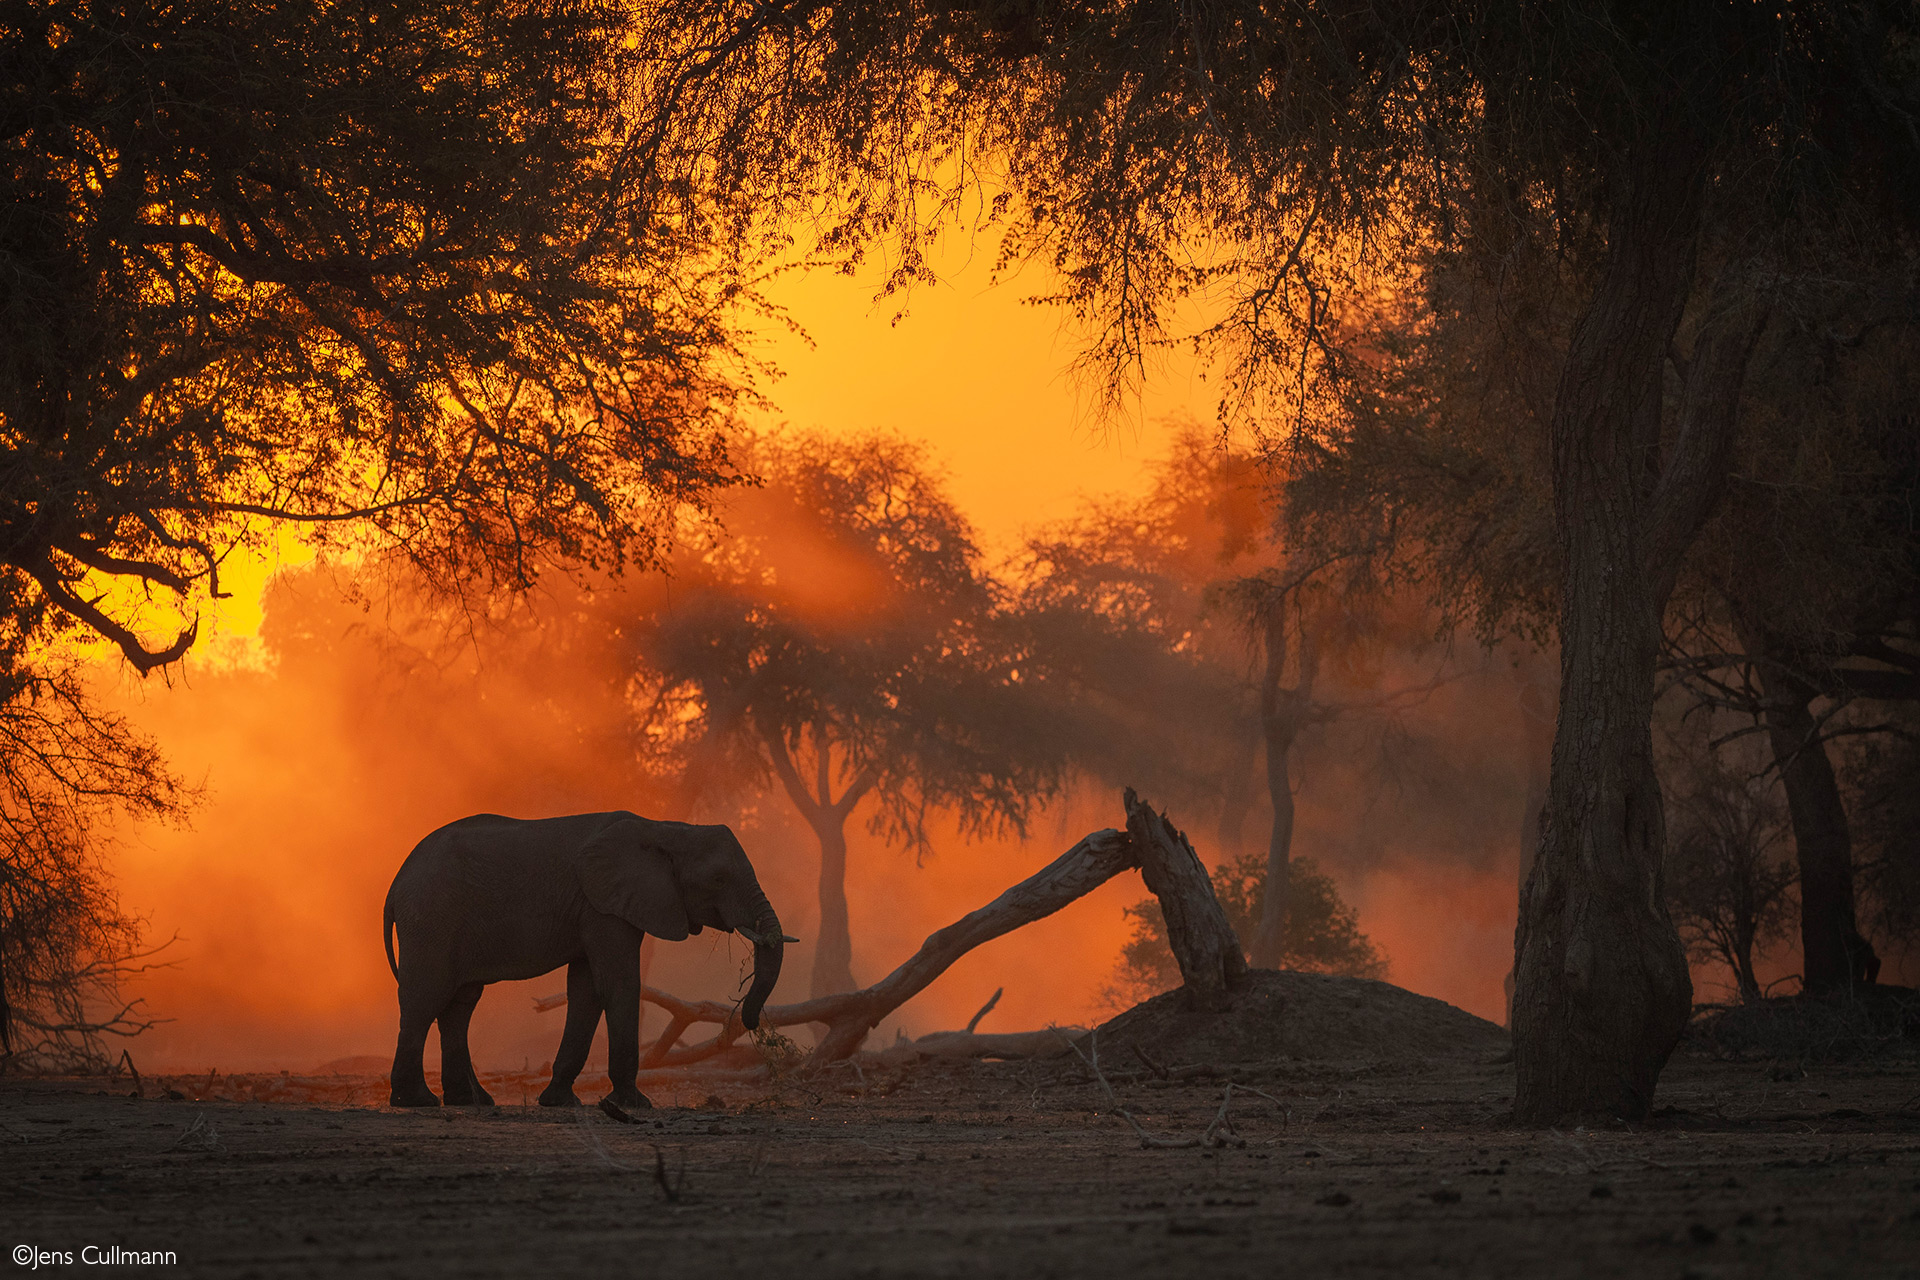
(1210, 958)
(1088, 865)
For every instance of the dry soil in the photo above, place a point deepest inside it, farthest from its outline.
(1388, 1165)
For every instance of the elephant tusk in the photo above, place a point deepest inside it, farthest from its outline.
(787, 937)
(749, 935)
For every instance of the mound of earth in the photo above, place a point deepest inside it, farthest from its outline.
(1279, 1014)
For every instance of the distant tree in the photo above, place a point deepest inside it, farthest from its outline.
(1816, 639)
(1188, 648)
(1728, 888)
(1146, 681)
(1324, 936)
(843, 640)
(66, 769)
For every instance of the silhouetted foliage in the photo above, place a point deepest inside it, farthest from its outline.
(392, 273)
(1183, 645)
(1323, 933)
(65, 941)
(1682, 160)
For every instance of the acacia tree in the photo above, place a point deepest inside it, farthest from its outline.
(1682, 156)
(843, 641)
(1728, 889)
(398, 276)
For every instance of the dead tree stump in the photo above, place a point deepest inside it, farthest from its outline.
(1211, 961)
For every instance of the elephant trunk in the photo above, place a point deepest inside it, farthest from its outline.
(768, 948)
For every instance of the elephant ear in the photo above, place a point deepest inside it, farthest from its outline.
(624, 874)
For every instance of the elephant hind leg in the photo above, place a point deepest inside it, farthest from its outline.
(409, 1078)
(457, 1079)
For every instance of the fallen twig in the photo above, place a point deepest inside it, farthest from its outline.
(200, 1136)
(1286, 1111)
(1146, 1139)
(1212, 1136)
(985, 1009)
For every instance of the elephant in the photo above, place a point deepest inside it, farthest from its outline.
(493, 899)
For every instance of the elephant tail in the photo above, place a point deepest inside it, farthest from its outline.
(386, 932)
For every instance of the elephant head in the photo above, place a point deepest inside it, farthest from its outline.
(671, 879)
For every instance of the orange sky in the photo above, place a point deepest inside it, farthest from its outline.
(321, 776)
(980, 375)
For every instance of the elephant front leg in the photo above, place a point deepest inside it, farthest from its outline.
(583, 1016)
(623, 1051)
(457, 1079)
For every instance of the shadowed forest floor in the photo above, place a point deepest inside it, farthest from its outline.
(965, 1169)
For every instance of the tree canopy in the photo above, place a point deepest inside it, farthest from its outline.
(1680, 160)
(394, 273)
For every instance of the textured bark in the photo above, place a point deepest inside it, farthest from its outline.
(1602, 991)
(1211, 961)
(1538, 697)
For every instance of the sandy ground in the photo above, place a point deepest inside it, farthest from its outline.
(992, 1169)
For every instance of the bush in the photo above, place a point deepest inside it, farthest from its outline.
(1323, 932)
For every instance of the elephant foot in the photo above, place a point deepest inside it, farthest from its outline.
(631, 1098)
(471, 1096)
(413, 1095)
(558, 1095)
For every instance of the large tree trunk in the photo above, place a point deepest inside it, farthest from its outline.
(1538, 698)
(1602, 991)
(1834, 955)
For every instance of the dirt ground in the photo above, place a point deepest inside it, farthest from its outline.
(987, 1169)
